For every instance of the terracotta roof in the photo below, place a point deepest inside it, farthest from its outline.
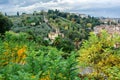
(109, 28)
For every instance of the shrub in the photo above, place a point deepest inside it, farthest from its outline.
(99, 53)
(5, 24)
(30, 61)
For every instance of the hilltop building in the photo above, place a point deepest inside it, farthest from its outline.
(53, 35)
(111, 29)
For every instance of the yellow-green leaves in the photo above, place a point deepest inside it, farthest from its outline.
(100, 53)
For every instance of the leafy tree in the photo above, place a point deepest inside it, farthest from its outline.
(56, 11)
(89, 25)
(17, 13)
(50, 11)
(74, 34)
(26, 60)
(5, 24)
(5, 14)
(63, 43)
(99, 53)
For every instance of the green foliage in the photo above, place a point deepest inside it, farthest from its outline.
(71, 25)
(5, 24)
(36, 32)
(26, 60)
(99, 53)
(18, 37)
(74, 34)
(64, 44)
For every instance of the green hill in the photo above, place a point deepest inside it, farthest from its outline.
(40, 24)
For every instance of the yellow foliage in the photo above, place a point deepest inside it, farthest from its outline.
(99, 52)
(111, 60)
(21, 51)
(21, 55)
(45, 78)
(14, 54)
(32, 76)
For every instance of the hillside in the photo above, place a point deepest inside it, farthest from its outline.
(56, 45)
(41, 24)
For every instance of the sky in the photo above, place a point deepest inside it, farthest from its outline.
(98, 8)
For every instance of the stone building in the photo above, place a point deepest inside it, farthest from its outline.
(53, 35)
(111, 29)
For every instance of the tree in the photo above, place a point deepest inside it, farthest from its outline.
(63, 43)
(73, 34)
(89, 25)
(5, 14)
(56, 11)
(5, 24)
(17, 13)
(50, 11)
(99, 53)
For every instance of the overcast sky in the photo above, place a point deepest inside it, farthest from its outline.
(105, 8)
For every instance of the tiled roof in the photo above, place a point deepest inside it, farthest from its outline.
(109, 28)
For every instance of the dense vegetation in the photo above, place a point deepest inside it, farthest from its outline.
(26, 52)
(40, 24)
(24, 60)
(5, 24)
(100, 53)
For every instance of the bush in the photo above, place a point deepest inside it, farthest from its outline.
(99, 53)
(5, 24)
(30, 61)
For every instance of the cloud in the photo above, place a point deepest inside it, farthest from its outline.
(86, 6)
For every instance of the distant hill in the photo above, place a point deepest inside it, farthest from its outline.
(40, 24)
